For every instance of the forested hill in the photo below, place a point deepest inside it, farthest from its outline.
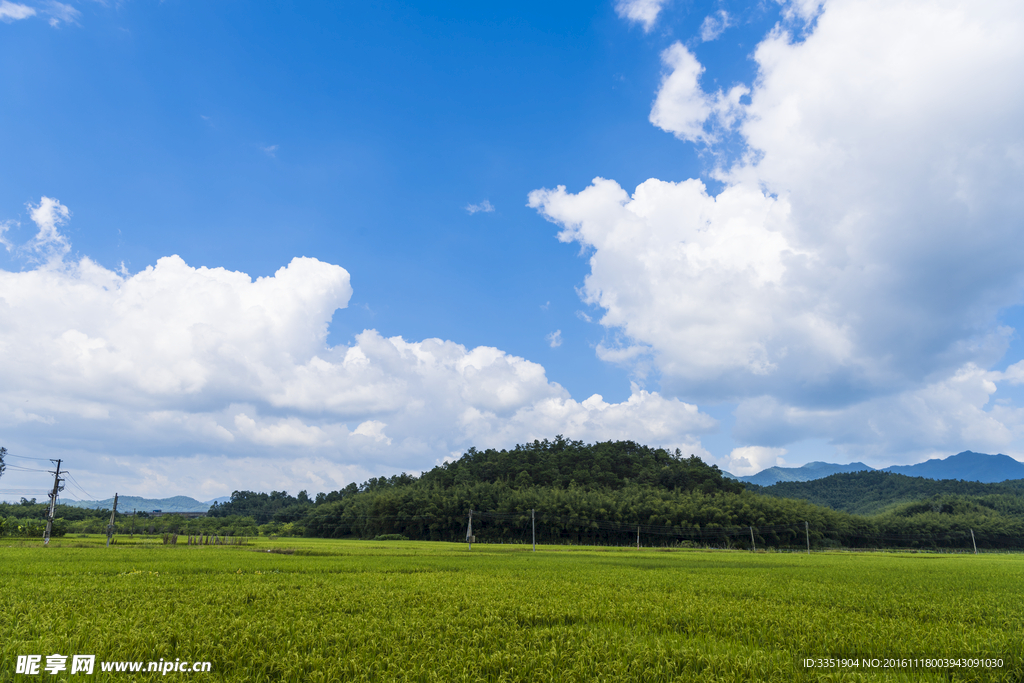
(562, 463)
(867, 493)
(559, 464)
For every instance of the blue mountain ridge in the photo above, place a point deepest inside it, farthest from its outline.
(812, 470)
(968, 465)
(129, 503)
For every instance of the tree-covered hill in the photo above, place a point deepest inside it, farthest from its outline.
(868, 493)
(558, 464)
(562, 463)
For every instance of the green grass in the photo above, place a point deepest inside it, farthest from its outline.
(414, 611)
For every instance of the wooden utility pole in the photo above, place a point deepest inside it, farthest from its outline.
(638, 537)
(469, 531)
(57, 488)
(973, 543)
(752, 544)
(807, 530)
(110, 527)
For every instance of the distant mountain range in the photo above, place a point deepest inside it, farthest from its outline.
(808, 472)
(128, 503)
(968, 466)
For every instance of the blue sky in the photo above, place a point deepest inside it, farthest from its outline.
(856, 321)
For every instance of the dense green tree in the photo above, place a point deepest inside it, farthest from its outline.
(874, 492)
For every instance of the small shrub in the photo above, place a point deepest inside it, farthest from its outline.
(391, 537)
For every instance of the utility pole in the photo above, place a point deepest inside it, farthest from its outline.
(133, 523)
(469, 531)
(57, 488)
(752, 544)
(807, 530)
(973, 543)
(533, 523)
(638, 537)
(110, 527)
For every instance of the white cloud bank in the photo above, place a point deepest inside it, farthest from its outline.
(845, 284)
(180, 379)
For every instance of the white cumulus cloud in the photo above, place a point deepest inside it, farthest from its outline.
(747, 460)
(49, 215)
(846, 282)
(174, 363)
(643, 12)
(714, 25)
(683, 108)
(13, 11)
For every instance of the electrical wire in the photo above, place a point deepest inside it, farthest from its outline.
(24, 457)
(19, 468)
(77, 485)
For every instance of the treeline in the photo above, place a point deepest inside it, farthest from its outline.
(27, 519)
(276, 512)
(607, 517)
(606, 493)
(609, 494)
(873, 492)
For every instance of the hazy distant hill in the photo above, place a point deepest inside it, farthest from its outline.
(969, 466)
(867, 493)
(128, 503)
(808, 472)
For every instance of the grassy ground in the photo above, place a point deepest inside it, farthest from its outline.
(326, 610)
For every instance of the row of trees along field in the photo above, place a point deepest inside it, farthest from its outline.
(27, 519)
(601, 493)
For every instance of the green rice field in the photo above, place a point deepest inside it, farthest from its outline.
(333, 610)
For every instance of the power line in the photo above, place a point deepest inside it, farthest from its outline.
(24, 469)
(77, 485)
(24, 457)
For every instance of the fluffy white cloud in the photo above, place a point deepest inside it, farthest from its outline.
(177, 362)
(13, 11)
(747, 460)
(714, 25)
(643, 12)
(683, 108)
(846, 281)
(922, 422)
(49, 216)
